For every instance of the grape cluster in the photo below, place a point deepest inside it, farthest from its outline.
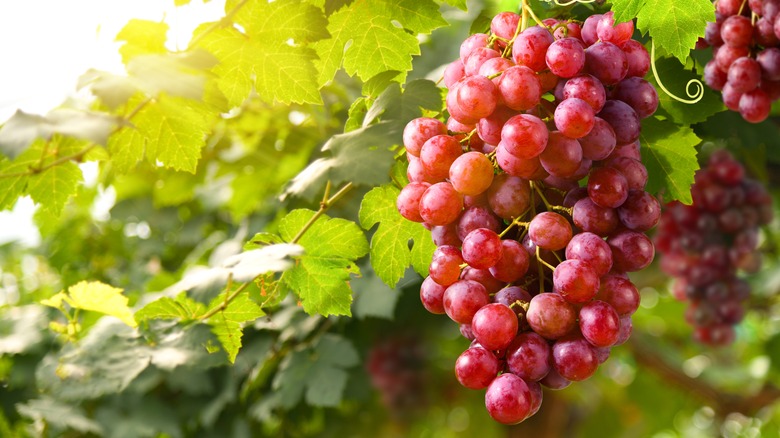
(745, 66)
(396, 367)
(706, 243)
(531, 264)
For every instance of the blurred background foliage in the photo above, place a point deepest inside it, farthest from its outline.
(385, 372)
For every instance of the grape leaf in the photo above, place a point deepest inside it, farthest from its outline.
(52, 188)
(676, 80)
(460, 4)
(374, 298)
(402, 107)
(182, 308)
(181, 74)
(675, 26)
(298, 20)
(390, 252)
(97, 297)
(227, 323)
(320, 373)
(669, 152)
(366, 40)
(320, 277)
(142, 37)
(626, 10)
(59, 415)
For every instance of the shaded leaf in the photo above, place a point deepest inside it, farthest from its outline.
(227, 324)
(669, 153)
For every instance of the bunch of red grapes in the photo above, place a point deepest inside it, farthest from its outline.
(745, 68)
(531, 264)
(706, 243)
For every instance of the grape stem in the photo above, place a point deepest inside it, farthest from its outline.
(516, 222)
(527, 9)
(540, 260)
(695, 97)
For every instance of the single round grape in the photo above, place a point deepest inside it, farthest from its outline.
(624, 120)
(453, 73)
(444, 268)
(508, 399)
(440, 204)
(737, 31)
(489, 128)
(495, 326)
(769, 60)
(482, 248)
(574, 359)
(493, 68)
(471, 173)
(587, 88)
(432, 296)
(438, 154)
(714, 77)
(591, 249)
(476, 368)
(626, 327)
(510, 296)
(565, 57)
(637, 57)
(408, 201)
(744, 74)
(640, 212)
(574, 117)
(726, 55)
(528, 357)
(524, 136)
(550, 230)
(551, 316)
(607, 187)
(754, 106)
(474, 217)
(606, 62)
(472, 43)
(463, 299)
(563, 155)
(590, 29)
(505, 24)
(519, 88)
(513, 263)
(477, 96)
(599, 324)
(420, 130)
(536, 396)
(530, 48)
(483, 277)
(445, 235)
(613, 33)
(638, 94)
(600, 141)
(620, 293)
(576, 281)
(633, 169)
(589, 216)
(631, 251)
(509, 196)
(477, 59)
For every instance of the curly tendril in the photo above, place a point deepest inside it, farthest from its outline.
(694, 97)
(571, 2)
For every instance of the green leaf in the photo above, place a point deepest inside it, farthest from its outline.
(142, 37)
(365, 39)
(675, 26)
(320, 373)
(402, 107)
(97, 297)
(390, 252)
(320, 277)
(262, 239)
(180, 74)
(227, 323)
(676, 80)
(278, 71)
(460, 4)
(626, 10)
(669, 153)
(373, 297)
(281, 20)
(54, 187)
(58, 415)
(182, 308)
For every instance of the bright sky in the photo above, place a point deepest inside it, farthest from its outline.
(47, 44)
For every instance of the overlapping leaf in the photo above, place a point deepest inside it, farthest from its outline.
(321, 276)
(669, 153)
(97, 297)
(227, 324)
(390, 252)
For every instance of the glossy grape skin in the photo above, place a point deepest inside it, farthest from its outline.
(551, 316)
(477, 96)
(509, 196)
(508, 399)
(563, 155)
(408, 202)
(553, 380)
(432, 296)
(476, 367)
(482, 248)
(440, 204)
(606, 62)
(588, 216)
(574, 118)
(494, 326)
(638, 58)
(471, 173)
(530, 168)
(565, 57)
(528, 356)
(524, 136)
(624, 121)
(463, 299)
(587, 88)
(531, 46)
(639, 94)
(631, 251)
(607, 187)
(550, 230)
(519, 88)
(620, 293)
(640, 212)
(438, 154)
(576, 281)
(513, 263)
(591, 249)
(444, 268)
(574, 359)
(599, 143)
(420, 130)
(599, 324)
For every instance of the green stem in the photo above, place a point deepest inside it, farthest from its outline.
(324, 206)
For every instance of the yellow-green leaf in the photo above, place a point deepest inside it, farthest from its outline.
(97, 297)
